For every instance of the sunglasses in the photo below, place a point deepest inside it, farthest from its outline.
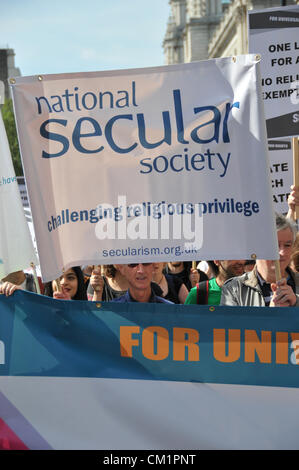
(133, 265)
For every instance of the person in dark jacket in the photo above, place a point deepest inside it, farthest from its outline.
(188, 275)
(173, 288)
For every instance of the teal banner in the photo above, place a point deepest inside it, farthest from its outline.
(43, 337)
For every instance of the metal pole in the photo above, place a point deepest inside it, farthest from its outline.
(2, 93)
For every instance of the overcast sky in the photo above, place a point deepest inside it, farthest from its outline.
(83, 35)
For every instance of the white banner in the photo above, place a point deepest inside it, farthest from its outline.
(159, 164)
(16, 248)
(274, 33)
(93, 414)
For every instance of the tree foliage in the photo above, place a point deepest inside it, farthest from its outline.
(11, 131)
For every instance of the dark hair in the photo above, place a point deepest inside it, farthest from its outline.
(81, 290)
(249, 262)
(110, 270)
(213, 267)
(295, 260)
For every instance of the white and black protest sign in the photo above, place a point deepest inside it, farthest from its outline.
(281, 169)
(23, 190)
(274, 33)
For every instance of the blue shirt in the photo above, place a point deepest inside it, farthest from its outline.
(153, 299)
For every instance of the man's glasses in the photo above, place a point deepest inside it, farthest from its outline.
(133, 265)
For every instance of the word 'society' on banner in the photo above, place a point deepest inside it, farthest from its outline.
(274, 33)
(144, 164)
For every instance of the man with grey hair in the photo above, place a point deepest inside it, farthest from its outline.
(259, 287)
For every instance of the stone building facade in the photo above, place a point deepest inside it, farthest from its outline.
(203, 29)
(7, 68)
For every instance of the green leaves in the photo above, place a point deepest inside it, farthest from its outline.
(11, 131)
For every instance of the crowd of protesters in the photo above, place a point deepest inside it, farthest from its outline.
(213, 282)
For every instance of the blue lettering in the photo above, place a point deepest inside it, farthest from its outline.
(155, 164)
(209, 161)
(142, 162)
(195, 160)
(67, 95)
(77, 135)
(179, 116)
(74, 216)
(255, 207)
(94, 100)
(108, 93)
(108, 134)
(229, 107)
(171, 163)
(57, 107)
(125, 99)
(204, 133)
(77, 99)
(52, 136)
(39, 108)
(215, 121)
(167, 131)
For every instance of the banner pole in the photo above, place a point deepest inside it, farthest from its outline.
(277, 270)
(58, 285)
(2, 93)
(102, 274)
(194, 265)
(296, 170)
(35, 278)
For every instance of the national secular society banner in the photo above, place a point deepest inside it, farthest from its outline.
(155, 164)
(87, 375)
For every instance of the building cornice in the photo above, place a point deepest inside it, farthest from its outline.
(215, 19)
